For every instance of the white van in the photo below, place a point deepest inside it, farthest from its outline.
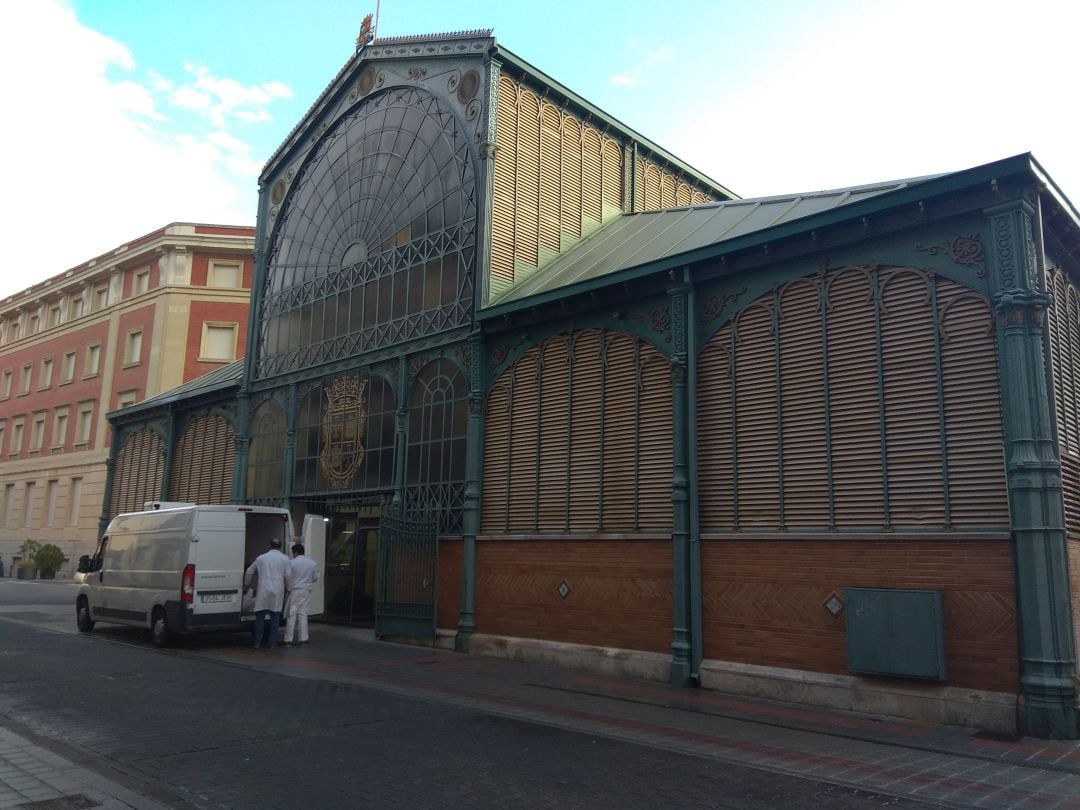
(179, 568)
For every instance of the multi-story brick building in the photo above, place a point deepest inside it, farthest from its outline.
(143, 318)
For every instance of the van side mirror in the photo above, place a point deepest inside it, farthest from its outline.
(84, 564)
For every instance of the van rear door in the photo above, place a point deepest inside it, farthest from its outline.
(314, 540)
(217, 551)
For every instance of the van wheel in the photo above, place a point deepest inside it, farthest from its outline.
(159, 628)
(82, 616)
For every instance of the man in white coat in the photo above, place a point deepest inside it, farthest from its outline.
(300, 576)
(269, 567)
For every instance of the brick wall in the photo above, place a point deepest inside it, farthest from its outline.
(619, 591)
(215, 312)
(448, 608)
(764, 601)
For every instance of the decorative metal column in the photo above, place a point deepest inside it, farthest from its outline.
(470, 517)
(1033, 468)
(292, 418)
(401, 434)
(167, 451)
(242, 444)
(681, 665)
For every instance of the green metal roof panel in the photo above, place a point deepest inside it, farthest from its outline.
(634, 240)
(224, 377)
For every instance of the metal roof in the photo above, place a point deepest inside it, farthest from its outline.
(639, 239)
(220, 378)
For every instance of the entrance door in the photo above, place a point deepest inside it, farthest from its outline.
(408, 573)
(351, 550)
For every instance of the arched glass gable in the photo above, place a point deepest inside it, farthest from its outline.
(375, 242)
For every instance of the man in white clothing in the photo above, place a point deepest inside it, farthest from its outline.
(269, 567)
(301, 574)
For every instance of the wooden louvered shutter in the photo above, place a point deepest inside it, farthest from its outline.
(571, 176)
(586, 446)
(612, 176)
(620, 421)
(854, 410)
(554, 451)
(1071, 356)
(527, 209)
(550, 177)
(497, 457)
(699, 198)
(592, 205)
(757, 463)
(653, 183)
(203, 462)
(654, 456)
(802, 407)
(137, 473)
(715, 461)
(682, 195)
(667, 191)
(505, 195)
(524, 426)
(912, 417)
(977, 488)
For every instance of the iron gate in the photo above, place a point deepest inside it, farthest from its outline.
(408, 574)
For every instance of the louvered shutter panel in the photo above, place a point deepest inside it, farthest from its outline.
(505, 178)
(620, 421)
(571, 176)
(137, 472)
(497, 457)
(683, 195)
(554, 452)
(1071, 357)
(912, 417)
(586, 447)
(203, 462)
(854, 413)
(653, 187)
(523, 444)
(550, 177)
(592, 204)
(527, 210)
(654, 457)
(977, 489)
(757, 461)
(714, 412)
(802, 398)
(612, 176)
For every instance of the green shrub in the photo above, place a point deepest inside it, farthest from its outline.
(29, 549)
(49, 558)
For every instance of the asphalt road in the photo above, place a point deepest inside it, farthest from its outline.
(194, 732)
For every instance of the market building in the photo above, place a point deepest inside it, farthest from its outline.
(563, 396)
(155, 312)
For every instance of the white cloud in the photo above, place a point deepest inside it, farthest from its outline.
(620, 80)
(645, 63)
(96, 161)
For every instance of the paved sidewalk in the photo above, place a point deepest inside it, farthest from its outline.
(948, 766)
(34, 778)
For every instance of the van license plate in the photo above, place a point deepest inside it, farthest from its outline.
(216, 597)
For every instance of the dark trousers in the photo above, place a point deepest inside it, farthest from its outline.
(271, 616)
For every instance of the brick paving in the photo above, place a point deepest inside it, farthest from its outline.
(351, 722)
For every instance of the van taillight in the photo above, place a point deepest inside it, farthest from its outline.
(187, 583)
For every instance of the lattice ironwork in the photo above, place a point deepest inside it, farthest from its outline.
(408, 574)
(375, 243)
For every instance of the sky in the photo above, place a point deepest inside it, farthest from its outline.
(121, 116)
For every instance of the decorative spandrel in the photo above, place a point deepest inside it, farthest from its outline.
(375, 241)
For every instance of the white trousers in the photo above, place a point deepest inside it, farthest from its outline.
(296, 616)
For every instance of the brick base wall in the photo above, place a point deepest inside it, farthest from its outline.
(619, 591)
(764, 601)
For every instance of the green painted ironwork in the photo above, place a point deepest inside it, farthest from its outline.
(681, 643)
(408, 575)
(697, 641)
(943, 432)
(1033, 468)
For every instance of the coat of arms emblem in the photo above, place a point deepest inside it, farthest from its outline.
(344, 422)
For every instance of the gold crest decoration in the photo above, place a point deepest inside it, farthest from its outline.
(344, 423)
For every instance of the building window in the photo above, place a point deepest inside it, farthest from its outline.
(16, 437)
(50, 501)
(60, 427)
(28, 505)
(218, 342)
(46, 373)
(86, 422)
(67, 370)
(37, 432)
(16, 328)
(133, 350)
(74, 501)
(101, 298)
(126, 399)
(5, 385)
(24, 379)
(2, 425)
(54, 315)
(32, 324)
(76, 306)
(93, 357)
(141, 283)
(9, 506)
(226, 274)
